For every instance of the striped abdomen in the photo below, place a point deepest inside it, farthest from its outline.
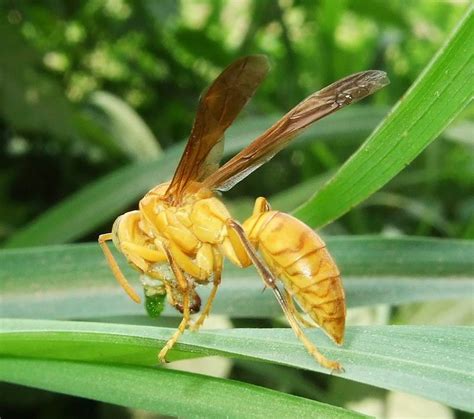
(298, 256)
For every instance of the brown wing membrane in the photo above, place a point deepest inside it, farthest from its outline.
(320, 104)
(217, 109)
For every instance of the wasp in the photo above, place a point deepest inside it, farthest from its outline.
(181, 232)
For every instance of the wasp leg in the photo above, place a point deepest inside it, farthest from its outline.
(144, 252)
(186, 264)
(183, 284)
(270, 281)
(217, 280)
(291, 306)
(103, 238)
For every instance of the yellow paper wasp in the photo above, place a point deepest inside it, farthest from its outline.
(182, 231)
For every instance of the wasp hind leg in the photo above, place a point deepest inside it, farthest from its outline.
(216, 282)
(183, 284)
(292, 307)
(270, 280)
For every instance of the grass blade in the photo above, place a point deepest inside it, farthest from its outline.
(129, 131)
(385, 356)
(162, 390)
(433, 101)
(73, 281)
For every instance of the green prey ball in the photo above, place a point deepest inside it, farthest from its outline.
(155, 304)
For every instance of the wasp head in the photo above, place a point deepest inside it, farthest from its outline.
(126, 230)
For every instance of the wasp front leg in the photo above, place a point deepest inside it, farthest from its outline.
(206, 264)
(185, 289)
(216, 282)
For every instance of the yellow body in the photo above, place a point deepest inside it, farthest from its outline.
(196, 234)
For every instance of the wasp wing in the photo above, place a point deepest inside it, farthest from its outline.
(217, 109)
(320, 104)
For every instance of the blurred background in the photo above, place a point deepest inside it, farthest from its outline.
(89, 87)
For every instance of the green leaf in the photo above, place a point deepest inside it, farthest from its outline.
(74, 281)
(109, 196)
(162, 390)
(127, 128)
(433, 362)
(437, 96)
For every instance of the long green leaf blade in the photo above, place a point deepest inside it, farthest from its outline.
(433, 101)
(74, 281)
(127, 128)
(433, 362)
(163, 391)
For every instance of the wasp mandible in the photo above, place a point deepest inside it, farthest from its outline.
(182, 231)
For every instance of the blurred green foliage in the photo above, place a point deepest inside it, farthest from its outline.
(157, 57)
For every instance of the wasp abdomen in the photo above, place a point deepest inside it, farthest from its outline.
(300, 259)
